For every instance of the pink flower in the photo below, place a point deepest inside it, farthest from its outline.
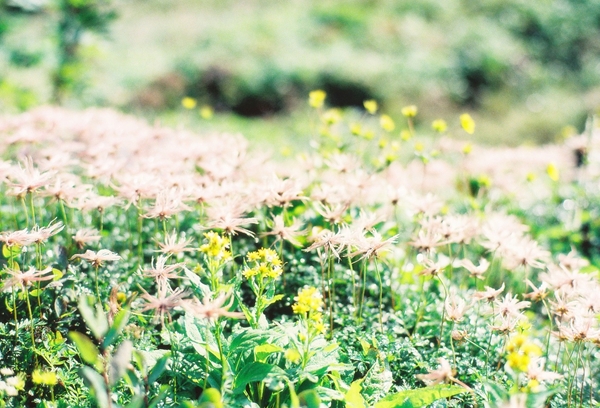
(97, 258)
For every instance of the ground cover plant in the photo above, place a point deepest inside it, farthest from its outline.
(144, 266)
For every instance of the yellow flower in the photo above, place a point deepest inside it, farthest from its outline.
(266, 264)
(253, 256)
(188, 103)
(371, 106)
(332, 116)
(553, 172)
(518, 361)
(467, 123)
(292, 355)
(44, 377)
(405, 135)
(387, 123)
(308, 300)
(409, 111)
(316, 98)
(439, 125)
(467, 148)
(369, 134)
(216, 246)
(206, 112)
(355, 129)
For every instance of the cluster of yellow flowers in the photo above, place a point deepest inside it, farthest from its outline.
(216, 246)
(309, 303)
(264, 263)
(520, 352)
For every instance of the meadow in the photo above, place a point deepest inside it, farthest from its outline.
(384, 266)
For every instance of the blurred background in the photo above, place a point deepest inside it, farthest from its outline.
(527, 71)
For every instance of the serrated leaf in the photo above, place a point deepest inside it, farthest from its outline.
(119, 362)
(118, 325)
(96, 383)
(420, 397)
(254, 372)
(353, 398)
(158, 369)
(87, 349)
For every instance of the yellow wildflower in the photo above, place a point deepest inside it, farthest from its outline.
(316, 98)
(387, 123)
(553, 172)
(216, 247)
(439, 125)
(292, 355)
(371, 106)
(355, 129)
(332, 116)
(206, 112)
(308, 300)
(467, 123)
(44, 377)
(409, 111)
(188, 102)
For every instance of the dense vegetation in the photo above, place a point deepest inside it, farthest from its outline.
(146, 267)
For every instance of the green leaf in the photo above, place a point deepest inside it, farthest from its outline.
(353, 399)
(158, 369)
(118, 324)
(309, 399)
(262, 352)
(9, 252)
(96, 383)
(211, 398)
(119, 362)
(136, 402)
(35, 292)
(57, 274)
(88, 351)
(420, 397)
(538, 399)
(253, 372)
(164, 391)
(274, 299)
(95, 320)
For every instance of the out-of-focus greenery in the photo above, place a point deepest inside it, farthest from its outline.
(524, 69)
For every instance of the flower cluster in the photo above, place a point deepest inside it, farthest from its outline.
(264, 263)
(216, 247)
(309, 304)
(521, 351)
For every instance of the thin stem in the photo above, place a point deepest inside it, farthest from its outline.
(30, 319)
(443, 307)
(221, 354)
(32, 209)
(96, 279)
(380, 294)
(25, 211)
(331, 286)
